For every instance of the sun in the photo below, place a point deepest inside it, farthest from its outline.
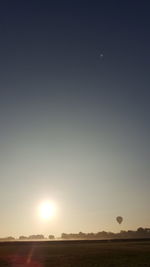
(47, 210)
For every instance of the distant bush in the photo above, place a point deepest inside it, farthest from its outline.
(52, 237)
(23, 237)
(9, 238)
(36, 237)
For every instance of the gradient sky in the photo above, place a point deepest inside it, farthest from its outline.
(74, 126)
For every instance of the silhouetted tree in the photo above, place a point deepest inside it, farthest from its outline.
(140, 230)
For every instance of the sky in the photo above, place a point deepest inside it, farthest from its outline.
(74, 115)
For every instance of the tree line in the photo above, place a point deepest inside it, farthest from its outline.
(139, 233)
(31, 237)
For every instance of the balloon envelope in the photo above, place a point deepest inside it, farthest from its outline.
(119, 219)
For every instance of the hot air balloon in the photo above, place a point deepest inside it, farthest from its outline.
(119, 219)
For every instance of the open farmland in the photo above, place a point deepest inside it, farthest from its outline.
(76, 254)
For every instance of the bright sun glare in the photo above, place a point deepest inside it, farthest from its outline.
(47, 210)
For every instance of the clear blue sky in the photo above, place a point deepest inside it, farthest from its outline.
(74, 125)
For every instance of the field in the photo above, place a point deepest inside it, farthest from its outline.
(76, 254)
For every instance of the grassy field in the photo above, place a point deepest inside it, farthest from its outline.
(75, 254)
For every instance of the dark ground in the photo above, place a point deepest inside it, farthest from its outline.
(76, 254)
